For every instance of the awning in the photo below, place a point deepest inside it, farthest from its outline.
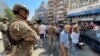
(95, 11)
(86, 19)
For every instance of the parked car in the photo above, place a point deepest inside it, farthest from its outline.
(92, 38)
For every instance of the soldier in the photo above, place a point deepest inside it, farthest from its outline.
(30, 24)
(36, 26)
(21, 32)
(3, 29)
(51, 30)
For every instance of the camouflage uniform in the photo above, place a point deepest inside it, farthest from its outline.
(52, 36)
(3, 29)
(24, 36)
(36, 28)
(31, 25)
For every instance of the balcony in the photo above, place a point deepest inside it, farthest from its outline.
(50, 12)
(50, 1)
(50, 4)
(61, 3)
(60, 7)
(60, 12)
(50, 8)
(61, 19)
(50, 18)
(60, 0)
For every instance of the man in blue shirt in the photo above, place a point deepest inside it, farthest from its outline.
(64, 41)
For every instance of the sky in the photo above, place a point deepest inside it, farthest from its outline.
(30, 4)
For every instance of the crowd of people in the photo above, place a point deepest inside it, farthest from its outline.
(23, 36)
(66, 35)
(20, 35)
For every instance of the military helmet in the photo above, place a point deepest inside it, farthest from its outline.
(4, 18)
(17, 8)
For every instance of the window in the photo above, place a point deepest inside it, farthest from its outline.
(74, 1)
(94, 0)
(81, 1)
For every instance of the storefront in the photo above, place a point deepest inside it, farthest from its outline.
(86, 13)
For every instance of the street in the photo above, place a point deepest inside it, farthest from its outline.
(86, 51)
(73, 21)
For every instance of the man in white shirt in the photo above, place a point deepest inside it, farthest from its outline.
(42, 31)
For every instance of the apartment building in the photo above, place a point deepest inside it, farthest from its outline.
(50, 10)
(83, 10)
(57, 10)
(41, 12)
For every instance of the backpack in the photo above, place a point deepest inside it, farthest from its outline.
(12, 42)
(51, 30)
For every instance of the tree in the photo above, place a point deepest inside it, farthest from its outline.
(9, 14)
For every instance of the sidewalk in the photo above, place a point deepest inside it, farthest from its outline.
(37, 52)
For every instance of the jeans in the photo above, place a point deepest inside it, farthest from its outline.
(74, 49)
(66, 50)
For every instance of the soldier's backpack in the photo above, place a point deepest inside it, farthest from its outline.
(51, 30)
(12, 42)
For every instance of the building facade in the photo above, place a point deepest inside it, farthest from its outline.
(50, 10)
(57, 10)
(62, 9)
(83, 10)
(41, 12)
(73, 4)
